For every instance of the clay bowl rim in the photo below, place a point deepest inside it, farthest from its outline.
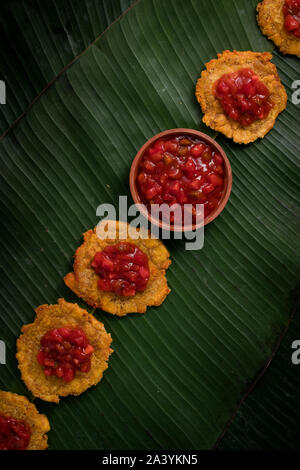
(169, 133)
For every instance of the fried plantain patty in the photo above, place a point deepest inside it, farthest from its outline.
(232, 61)
(84, 281)
(61, 315)
(271, 21)
(19, 407)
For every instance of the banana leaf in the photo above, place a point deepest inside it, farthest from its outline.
(39, 39)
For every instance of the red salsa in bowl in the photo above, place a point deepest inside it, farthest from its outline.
(182, 166)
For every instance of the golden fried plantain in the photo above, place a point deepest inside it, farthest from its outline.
(84, 281)
(60, 315)
(19, 407)
(271, 21)
(232, 61)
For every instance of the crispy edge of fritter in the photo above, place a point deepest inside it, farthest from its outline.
(232, 61)
(84, 281)
(28, 344)
(19, 407)
(271, 21)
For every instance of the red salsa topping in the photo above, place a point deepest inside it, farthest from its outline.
(243, 96)
(291, 12)
(14, 434)
(65, 351)
(181, 170)
(123, 269)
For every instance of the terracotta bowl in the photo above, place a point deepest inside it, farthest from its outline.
(172, 133)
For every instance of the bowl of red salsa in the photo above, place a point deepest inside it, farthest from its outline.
(181, 166)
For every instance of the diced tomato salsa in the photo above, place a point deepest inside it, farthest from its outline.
(122, 268)
(14, 434)
(65, 351)
(243, 96)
